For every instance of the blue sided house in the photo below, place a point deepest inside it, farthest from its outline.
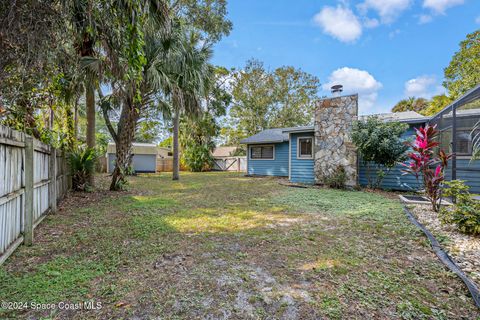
(309, 154)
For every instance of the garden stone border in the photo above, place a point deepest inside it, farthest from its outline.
(445, 258)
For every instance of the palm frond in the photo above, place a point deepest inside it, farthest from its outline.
(475, 136)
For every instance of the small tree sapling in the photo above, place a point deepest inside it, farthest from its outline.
(424, 164)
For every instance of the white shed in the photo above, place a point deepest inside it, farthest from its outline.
(144, 157)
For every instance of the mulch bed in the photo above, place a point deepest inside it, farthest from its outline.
(464, 249)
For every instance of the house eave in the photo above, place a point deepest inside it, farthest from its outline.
(300, 131)
(414, 121)
(262, 142)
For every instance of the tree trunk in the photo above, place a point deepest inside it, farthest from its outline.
(70, 127)
(125, 135)
(51, 119)
(90, 106)
(176, 163)
(90, 101)
(75, 119)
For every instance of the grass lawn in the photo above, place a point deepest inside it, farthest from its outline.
(220, 245)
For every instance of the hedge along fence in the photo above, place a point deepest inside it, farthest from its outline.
(33, 177)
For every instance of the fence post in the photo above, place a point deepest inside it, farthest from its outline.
(238, 164)
(28, 234)
(52, 186)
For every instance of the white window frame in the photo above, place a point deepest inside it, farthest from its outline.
(260, 145)
(300, 157)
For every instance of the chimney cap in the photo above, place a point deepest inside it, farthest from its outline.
(337, 88)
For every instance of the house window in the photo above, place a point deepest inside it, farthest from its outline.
(262, 152)
(305, 148)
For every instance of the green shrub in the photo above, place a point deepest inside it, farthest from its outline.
(457, 189)
(466, 211)
(82, 162)
(380, 145)
(130, 171)
(197, 157)
(337, 179)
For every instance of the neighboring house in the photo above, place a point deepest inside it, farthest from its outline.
(144, 157)
(223, 152)
(164, 153)
(223, 160)
(310, 154)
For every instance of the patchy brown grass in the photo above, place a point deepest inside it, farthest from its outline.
(219, 245)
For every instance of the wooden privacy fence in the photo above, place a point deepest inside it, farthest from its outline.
(238, 164)
(164, 165)
(33, 177)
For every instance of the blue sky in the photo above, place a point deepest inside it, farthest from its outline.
(383, 49)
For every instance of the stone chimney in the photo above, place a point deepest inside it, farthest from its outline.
(333, 147)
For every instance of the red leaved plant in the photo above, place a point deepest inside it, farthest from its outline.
(423, 163)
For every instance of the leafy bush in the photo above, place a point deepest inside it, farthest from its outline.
(379, 143)
(82, 162)
(197, 157)
(457, 189)
(196, 141)
(466, 212)
(338, 179)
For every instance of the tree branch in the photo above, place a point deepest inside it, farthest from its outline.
(106, 117)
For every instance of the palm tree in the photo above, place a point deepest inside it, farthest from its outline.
(124, 100)
(411, 104)
(109, 38)
(84, 18)
(190, 76)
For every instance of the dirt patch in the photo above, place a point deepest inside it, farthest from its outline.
(175, 262)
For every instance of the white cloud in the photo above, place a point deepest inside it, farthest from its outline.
(439, 6)
(477, 20)
(356, 81)
(425, 18)
(423, 86)
(388, 10)
(339, 22)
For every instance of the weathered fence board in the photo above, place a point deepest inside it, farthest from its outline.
(15, 189)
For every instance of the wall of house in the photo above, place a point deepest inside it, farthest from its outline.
(469, 171)
(276, 167)
(396, 180)
(301, 170)
(140, 162)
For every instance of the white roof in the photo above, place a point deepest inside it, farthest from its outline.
(137, 148)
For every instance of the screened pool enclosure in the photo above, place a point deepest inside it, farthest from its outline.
(459, 126)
